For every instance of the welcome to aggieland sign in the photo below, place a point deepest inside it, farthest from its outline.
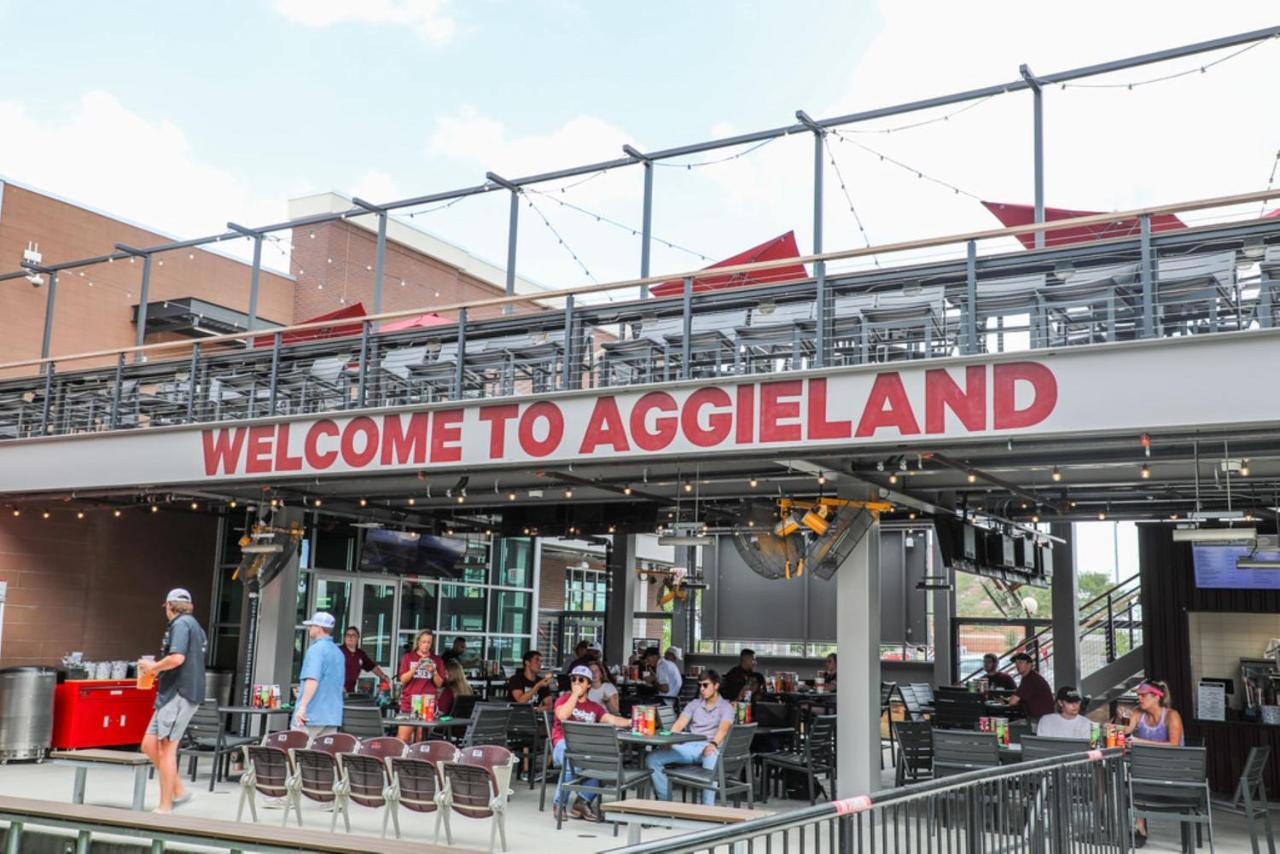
(1087, 390)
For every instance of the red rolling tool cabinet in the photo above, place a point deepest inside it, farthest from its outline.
(100, 713)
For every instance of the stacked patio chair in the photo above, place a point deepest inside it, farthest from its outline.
(269, 771)
(417, 783)
(1251, 796)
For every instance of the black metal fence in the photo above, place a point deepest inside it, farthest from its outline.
(1074, 804)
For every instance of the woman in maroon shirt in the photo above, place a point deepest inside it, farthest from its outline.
(420, 672)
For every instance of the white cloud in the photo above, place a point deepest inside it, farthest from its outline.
(102, 154)
(428, 19)
(376, 186)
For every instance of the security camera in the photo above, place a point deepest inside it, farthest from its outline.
(36, 280)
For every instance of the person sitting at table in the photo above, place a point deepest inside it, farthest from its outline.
(1066, 722)
(994, 676)
(742, 678)
(357, 660)
(458, 650)
(1155, 723)
(574, 705)
(829, 672)
(528, 685)
(602, 690)
(665, 675)
(711, 716)
(421, 672)
(1033, 695)
(455, 685)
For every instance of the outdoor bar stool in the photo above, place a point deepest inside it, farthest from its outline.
(319, 774)
(731, 776)
(366, 778)
(1170, 782)
(1251, 796)
(269, 770)
(417, 783)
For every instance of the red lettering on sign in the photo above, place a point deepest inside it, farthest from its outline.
(774, 409)
(1044, 397)
(359, 457)
(888, 406)
(446, 434)
(605, 427)
(664, 425)
(401, 445)
(546, 411)
(942, 393)
(284, 462)
(718, 423)
(746, 414)
(222, 450)
(498, 416)
(819, 426)
(258, 455)
(316, 458)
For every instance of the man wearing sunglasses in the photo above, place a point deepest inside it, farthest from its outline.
(574, 706)
(711, 716)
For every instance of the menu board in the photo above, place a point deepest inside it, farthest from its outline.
(1216, 567)
(1211, 702)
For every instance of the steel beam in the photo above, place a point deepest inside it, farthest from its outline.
(380, 253)
(1037, 137)
(1146, 268)
(971, 296)
(819, 267)
(513, 224)
(50, 300)
(646, 216)
(144, 295)
(254, 277)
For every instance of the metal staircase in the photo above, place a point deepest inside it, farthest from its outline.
(1111, 638)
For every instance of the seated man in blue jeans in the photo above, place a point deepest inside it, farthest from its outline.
(710, 715)
(574, 706)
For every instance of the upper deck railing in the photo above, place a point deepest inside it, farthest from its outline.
(956, 295)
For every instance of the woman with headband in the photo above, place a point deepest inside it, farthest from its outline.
(1155, 723)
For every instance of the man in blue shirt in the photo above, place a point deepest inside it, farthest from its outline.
(319, 710)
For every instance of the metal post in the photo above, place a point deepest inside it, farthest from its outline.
(253, 287)
(275, 374)
(971, 297)
(50, 299)
(48, 398)
(364, 362)
(191, 383)
(379, 262)
(115, 393)
(687, 327)
(512, 225)
(1111, 629)
(568, 342)
(462, 354)
(1146, 267)
(646, 227)
(1038, 142)
(819, 267)
(144, 294)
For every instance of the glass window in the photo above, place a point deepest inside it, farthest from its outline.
(377, 616)
(514, 564)
(509, 612)
(229, 597)
(334, 597)
(462, 608)
(585, 589)
(335, 547)
(304, 597)
(508, 651)
(417, 607)
(226, 648)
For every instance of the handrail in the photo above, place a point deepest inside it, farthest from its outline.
(694, 275)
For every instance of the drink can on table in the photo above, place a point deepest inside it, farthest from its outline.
(429, 707)
(416, 705)
(1095, 733)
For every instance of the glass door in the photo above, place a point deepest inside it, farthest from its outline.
(377, 609)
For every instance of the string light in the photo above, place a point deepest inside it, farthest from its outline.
(511, 496)
(1199, 69)
(568, 492)
(913, 170)
(725, 159)
(44, 515)
(364, 502)
(155, 509)
(893, 477)
(1145, 471)
(753, 482)
(620, 225)
(318, 502)
(412, 501)
(1056, 474)
(626, 490)
(232, 504)
(115, 513)
(195, 506)
(972, 477)
(79, 514)
(17, 512)
(688, 487)
(924, 122)
(1244, 468)
(866, 238)
(560, 239)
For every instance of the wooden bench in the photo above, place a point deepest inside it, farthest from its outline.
(83, 760)
(638, 812)
(156, 830)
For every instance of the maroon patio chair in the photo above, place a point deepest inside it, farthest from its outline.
(476, 786)
(269, 770)
(366, 777)
(320, 776)
(417, 783)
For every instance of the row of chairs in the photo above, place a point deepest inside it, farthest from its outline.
(380, 773)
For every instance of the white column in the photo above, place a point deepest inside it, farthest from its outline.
(277, 612)
(858, 639)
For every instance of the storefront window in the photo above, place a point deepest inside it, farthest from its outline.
(462, 608)
(377, 617)
(508, 650)
(585, 589)
(417, 609)
(509, 613)
(335, 547)
(514, 564)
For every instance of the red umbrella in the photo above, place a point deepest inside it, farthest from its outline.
(334, 331)
(778, 249)
(1015, 215)
(428, 319)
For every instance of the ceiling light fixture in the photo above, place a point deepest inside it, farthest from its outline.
(1145, 471)
(1056, 474)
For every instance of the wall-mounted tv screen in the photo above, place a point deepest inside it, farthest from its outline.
(1216, 567)
(411, 553)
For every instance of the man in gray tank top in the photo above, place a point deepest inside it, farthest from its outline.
(180, 690)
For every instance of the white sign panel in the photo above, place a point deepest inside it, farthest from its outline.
(1142, 386)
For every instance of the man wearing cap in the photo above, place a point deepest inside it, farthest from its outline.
(319, 710)
(1067, 722)
(575, 706)
(1034, 696)
(179, 693)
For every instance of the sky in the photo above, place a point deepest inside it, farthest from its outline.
(185, 116)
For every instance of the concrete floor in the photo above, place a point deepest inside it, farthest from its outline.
(528, 830)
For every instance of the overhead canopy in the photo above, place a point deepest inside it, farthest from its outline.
(337, 330)
(1015, 215)
(195, 317)
(421, 320)
(778, 249)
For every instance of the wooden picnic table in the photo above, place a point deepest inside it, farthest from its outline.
(638, 812)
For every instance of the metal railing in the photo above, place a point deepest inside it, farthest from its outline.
(1110, 626)
(1215, 278)
(1075, 803)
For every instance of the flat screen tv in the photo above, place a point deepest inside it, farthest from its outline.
(411, 553)
(1215, 567)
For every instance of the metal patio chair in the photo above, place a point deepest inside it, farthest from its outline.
(489, 725)
(731, 776)
(206, 736)
(915, 751)
(593, 752)
(362, 721)
(816, 757)
(1251, 796)
(1170, 782)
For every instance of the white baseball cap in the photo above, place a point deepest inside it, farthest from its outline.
(584, 672)
(178, 594)
(323, 619)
